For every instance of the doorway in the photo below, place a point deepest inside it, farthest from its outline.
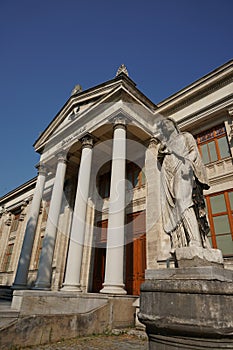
(99, 255)
(135, 253)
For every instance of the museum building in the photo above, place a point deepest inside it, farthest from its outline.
(91, 219)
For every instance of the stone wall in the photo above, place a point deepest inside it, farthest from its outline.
(45, 317)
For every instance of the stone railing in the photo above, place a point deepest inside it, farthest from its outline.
(220, 168)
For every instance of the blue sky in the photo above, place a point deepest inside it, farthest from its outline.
(48, 46)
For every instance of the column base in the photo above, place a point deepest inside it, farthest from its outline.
(42, 286)
(113, 289)
(19, 286)
(71, 288)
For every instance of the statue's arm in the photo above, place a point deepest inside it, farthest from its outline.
(162, 152)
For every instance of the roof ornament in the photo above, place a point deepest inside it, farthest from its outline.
(122, 69)
(76, 90)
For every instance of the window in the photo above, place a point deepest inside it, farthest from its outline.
(104, 185)
(220, 210)
(39, 243)
(45, 212)
(38, 250)
(15, 223)
(213, 144)
(7, 257)
(135, 175)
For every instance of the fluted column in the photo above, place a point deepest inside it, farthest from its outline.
(113, 283)
(45, 263)
(75, 252)
(20, 281)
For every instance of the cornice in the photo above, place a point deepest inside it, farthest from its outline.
(219, 180)
(214, 108)
(203, 92)
(27, 186)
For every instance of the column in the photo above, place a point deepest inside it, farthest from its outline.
(20, 281)
(113, 283)
(46, 258)
(75, 252)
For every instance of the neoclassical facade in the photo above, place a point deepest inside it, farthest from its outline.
(91, 219)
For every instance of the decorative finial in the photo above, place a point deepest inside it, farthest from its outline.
(77, 89)
(122, 69)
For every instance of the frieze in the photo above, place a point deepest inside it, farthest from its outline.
(72, 137)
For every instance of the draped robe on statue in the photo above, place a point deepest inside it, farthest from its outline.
(181, 165)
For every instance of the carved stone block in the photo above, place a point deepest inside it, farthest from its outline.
(194, 256)
(188, 308)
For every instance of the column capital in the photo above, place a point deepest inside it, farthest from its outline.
(87, 141)
(8, 221)
(153, 141)
(119, 121)
(3, 211)
(41, 168)
(230, 111)
(61, 156)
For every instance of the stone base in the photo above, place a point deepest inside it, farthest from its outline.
(113, 289)
(19, 286)
(188, 308)
(194, 256)
(163, 342)
(71, 288)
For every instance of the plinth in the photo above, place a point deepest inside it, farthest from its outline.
(188, 308)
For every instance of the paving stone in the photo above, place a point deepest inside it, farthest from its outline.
(101, 342)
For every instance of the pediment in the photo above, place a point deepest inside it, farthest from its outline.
(89, 104)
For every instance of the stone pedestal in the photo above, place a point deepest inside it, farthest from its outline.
(188, 308)
(194, 256)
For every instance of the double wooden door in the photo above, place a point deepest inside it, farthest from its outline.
(135, 254)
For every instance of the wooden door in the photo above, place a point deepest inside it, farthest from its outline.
(99, 256)
(99, 269)
(135, 252)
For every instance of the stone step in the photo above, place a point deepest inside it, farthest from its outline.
(8, 313)
(8, 317)
(6, 293)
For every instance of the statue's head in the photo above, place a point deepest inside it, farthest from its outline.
(167, 127)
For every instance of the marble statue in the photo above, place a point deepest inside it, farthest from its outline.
(183, 178)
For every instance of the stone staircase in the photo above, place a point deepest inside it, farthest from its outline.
(42, 317)
(7, 315)
(6, 293)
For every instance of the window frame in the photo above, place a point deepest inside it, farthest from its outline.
(132, 168)
(15, 223)
(211, 216)
(204, 138)
(7, 257)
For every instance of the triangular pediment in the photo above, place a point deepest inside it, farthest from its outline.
(90, 103)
